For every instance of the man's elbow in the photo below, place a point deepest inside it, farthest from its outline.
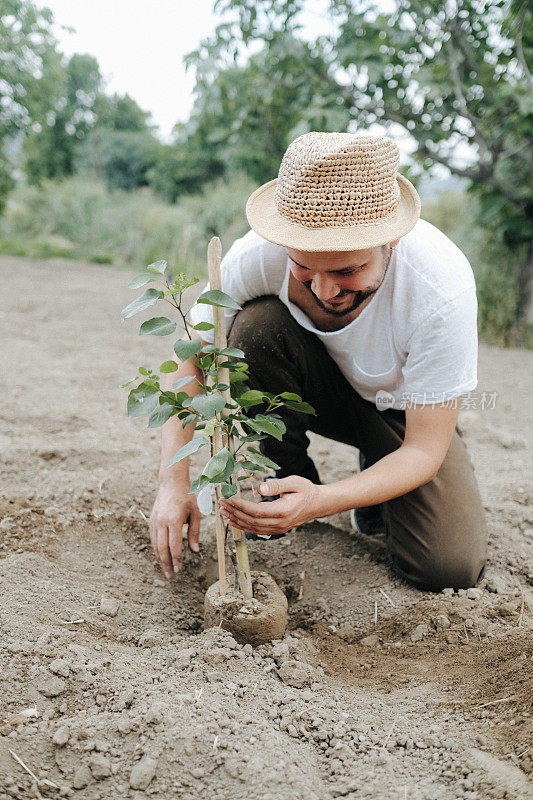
(433, 468)
(428, 465)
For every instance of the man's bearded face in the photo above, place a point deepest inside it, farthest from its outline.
(340, 281)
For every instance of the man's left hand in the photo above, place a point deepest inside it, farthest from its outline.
(298, 503)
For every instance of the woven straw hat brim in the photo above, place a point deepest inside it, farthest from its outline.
(265, 220)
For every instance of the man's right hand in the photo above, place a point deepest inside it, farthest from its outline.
(173, 508)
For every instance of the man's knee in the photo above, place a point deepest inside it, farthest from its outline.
(258, 324)
(461, 572)
(437, 570)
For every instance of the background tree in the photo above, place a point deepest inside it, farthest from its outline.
(30, 68)
(51, 149)
(121, 113)
(453, 75)
(245, 114)
(121, 147)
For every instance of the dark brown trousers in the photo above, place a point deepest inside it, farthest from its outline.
(436, 533)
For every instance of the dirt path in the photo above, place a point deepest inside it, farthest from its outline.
(130, 698)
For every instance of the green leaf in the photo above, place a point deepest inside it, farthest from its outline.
(182, 381)
(267, 424)
(291, 396)
(228, 490)
(275, 419)
(251, 466)
(214, 297)
(264, 427)
(141, 280)
(152, 384)
(160, 415)
(232, 351)
(187, 419)
(176, 399)
(208, 405)
(261, 459)
(147, 299)
(205, 362)
(123, 385)
(188, 449)
(252, 397)
(303, 408)
(210, 348)
(158, 266)
(209, 426)
(203, 326)
(158, 326)
(184, 348)
(169, 366)
(182, 281)
(141, 402)
(220, 467)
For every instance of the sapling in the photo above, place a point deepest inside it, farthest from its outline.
(220, 411)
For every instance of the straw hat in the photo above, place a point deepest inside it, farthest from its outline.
(335, 191)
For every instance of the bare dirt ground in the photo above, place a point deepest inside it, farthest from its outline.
(110, 687)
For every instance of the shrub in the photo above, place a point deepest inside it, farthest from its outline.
(124, 228)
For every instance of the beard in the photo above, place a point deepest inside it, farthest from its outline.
(357, 296)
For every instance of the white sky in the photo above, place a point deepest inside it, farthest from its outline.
(140, 45)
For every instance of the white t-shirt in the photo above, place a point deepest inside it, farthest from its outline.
(415, 341)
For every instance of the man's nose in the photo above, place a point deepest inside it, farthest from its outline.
(324, 287)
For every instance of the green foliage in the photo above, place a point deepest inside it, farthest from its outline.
(218, 210)
(185, 349)
(496, 269)
(217, 298)
(30, 67)
(147, 299)
(120, 113)
(158, 326)
(51, 149)
(123, 158)
(246, 115)
(40, 247)
(183, 168)
(218, 415)
(67, 123)
(188, 449)
(78, 218)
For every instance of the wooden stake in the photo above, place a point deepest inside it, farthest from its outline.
(219, 525)
(214, 255)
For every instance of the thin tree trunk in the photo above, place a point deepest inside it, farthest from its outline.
(524, 311)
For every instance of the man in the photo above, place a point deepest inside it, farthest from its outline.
(369, 313)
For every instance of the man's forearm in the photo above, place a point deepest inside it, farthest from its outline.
(173, 434)
(393, 475)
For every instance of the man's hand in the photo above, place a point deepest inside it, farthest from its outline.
(173, 508)
(299, 503)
